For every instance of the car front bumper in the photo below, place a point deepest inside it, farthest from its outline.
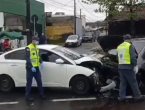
(95, 82)
(71, 43)
(87, 39)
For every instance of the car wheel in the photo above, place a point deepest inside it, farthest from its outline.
(6, 83)
(80, 85)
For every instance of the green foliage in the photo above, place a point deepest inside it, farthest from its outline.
(114, 7)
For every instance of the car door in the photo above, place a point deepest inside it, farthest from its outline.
(17, 65)
(53, 75)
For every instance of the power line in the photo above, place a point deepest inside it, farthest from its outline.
(64, 5)
(87, 10)
(61, 3)
(47, 3)
(84, 13)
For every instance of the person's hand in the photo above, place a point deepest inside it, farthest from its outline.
(41, 65)
(136, 69)
(33, 69)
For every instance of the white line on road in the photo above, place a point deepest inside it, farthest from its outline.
(130, 97)
(8, 103)
(73, 99)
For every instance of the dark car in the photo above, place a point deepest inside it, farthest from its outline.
(89, 36)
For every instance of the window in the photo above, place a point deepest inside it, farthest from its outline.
(68, 53)
(47, 56)
(72, 37)
(17, 55)
(138, 45)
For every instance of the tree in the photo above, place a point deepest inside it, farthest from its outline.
(115, 7)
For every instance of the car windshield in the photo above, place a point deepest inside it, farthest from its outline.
(67, 53)
(72, 37)
(88, 34)
(138, 45)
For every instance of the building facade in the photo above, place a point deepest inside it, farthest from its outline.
(15, 14)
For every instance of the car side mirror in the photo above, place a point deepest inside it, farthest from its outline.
(59, 61)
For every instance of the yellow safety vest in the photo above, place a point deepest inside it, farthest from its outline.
(124, 53)
(34, 55)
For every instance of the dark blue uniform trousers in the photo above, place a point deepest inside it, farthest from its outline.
(29, 78)
(128, 76)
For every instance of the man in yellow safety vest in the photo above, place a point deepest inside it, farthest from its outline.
(33, 61)
(127, 62)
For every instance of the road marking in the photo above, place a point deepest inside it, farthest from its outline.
(130, 97)
(73, 99)
(8, 103)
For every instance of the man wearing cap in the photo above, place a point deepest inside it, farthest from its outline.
(127, 62)
(33, 62)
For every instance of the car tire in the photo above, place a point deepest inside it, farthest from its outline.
(80, 85)
(6, 83)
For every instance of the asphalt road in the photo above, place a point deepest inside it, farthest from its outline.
(64, 99)
(84, 48)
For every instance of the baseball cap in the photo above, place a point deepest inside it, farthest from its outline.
(127, 37)
(35, 38)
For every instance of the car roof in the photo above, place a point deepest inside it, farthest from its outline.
(138, 39)
(45, 46)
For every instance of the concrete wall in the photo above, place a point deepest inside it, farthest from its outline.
(79, 27)
(1, 20)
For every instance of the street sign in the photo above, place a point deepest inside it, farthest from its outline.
(34, 18)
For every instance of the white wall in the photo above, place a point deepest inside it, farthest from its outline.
(83, 17)
(1, 20)
(79, 27)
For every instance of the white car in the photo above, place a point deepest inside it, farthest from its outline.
(61, 69)
(73, 40)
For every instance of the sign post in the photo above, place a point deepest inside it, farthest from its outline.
(34, 18)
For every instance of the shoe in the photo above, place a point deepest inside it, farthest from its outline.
(138, 100)
(29, 98)
(43, 97)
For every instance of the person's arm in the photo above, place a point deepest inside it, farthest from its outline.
(133, 56)
(27, 51)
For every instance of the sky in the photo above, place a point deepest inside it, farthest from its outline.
(67, 6)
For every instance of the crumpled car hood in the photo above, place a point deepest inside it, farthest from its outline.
(109, 42)
(86, 59)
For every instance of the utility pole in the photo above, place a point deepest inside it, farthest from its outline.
(28, 21)
(80, 13)
(74, 16)
(106, 24)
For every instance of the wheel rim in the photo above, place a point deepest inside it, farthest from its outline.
(5, 84)
(80, 85)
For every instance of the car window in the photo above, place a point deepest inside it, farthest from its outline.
(48, 56)
(67, 53)
(16, 55)
(72, 37)
(138, 45)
